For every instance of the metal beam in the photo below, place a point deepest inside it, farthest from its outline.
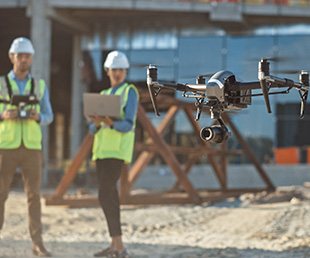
(186, 7)
(93, 4)
(67, 20)
(14, 3)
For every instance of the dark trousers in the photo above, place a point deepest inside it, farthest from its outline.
(108, 172)
(30, 161)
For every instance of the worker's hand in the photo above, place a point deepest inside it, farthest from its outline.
(34, 115)
(9, 114)
(98, 119)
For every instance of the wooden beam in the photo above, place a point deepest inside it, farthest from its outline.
(81, 155)
(188, 166)
(66, 20)
(145, 157)
(161, 198)
(249, 153)
(169, 157)
(217, 169)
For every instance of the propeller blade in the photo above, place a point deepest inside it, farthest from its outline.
(273, 59)
(189, 77)
(206, 75)
(142, 65)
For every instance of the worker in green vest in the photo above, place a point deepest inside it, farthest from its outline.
(113, 147)
(24, 107)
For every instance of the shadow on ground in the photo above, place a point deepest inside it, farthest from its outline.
(22, 249)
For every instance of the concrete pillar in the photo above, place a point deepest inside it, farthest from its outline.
(40, 33)
(78, 88)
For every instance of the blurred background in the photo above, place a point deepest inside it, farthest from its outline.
(184, 38)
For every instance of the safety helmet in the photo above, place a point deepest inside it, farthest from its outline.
(116, 60)
(21, 45)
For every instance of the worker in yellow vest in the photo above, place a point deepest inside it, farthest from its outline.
(24, 107)
(113, 146)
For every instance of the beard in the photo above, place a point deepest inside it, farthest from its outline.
(23, 68)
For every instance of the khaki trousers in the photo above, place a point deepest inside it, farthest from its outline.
(30, 161)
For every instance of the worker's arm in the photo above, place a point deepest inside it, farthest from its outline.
(46, 111)
(122, 126)
(126, 125)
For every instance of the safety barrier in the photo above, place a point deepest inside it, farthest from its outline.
(292, 155)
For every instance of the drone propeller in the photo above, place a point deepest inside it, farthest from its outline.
(145, 65)
(208, 75)
(276, 59)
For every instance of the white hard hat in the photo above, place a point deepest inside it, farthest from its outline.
(116, 60)
(21, 45)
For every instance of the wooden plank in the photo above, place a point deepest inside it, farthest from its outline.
(189, 164)
(218, 171)
(160, 198)
(66, 20)
(145, 157)
(169, 157)
(81, 155)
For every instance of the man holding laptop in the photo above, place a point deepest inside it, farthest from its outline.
(113, 147)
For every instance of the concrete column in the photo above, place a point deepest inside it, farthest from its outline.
(40, 33)
(78, 88)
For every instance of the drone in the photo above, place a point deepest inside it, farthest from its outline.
(223, 93)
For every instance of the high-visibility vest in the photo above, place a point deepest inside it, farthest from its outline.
(14, 132)
(110, 143)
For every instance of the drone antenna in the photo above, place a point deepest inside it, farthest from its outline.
(263, 70)
(152, 77)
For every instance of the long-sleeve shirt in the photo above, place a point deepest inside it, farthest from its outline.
(125, 125)
(46, 111)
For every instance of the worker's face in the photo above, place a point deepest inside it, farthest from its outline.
(21, 61)
(117, 76)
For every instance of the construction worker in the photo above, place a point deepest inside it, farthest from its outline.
(20, 135)
(112, 147)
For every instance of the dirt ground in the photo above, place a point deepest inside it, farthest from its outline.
(262, 225)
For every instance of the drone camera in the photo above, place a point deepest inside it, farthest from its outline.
(215, 134)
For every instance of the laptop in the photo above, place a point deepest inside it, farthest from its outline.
(102, 105)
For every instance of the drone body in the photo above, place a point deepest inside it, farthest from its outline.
(223, 93)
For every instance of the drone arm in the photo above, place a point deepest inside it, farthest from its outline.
(170, 85)
(275, 82)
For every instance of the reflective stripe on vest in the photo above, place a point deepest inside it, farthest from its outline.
(13, 132)
(109, 143)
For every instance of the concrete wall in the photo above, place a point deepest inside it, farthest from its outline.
(239, 176)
